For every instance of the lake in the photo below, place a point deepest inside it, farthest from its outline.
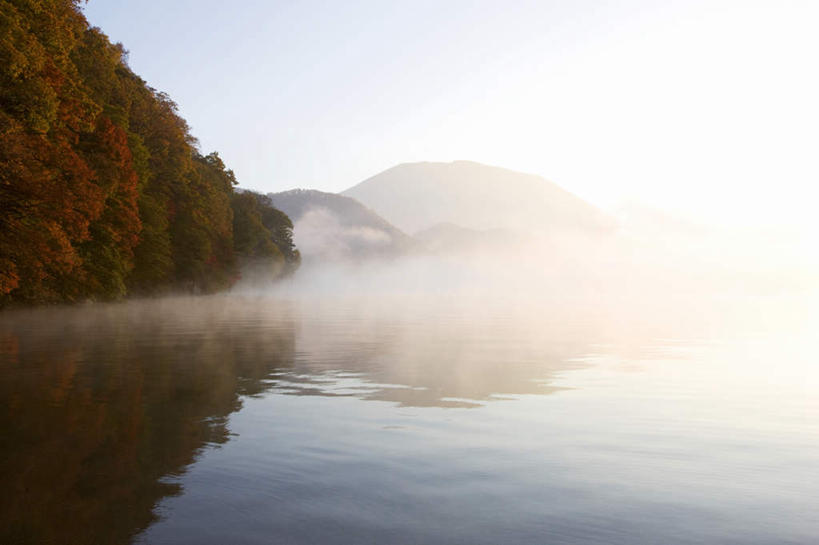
(251, 419)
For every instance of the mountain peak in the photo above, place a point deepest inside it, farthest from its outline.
(416, 196)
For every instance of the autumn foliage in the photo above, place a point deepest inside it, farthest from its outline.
(103, 192)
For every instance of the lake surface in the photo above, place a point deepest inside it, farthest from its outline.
(257, 420)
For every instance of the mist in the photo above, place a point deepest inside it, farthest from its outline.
(654, 257)
(464, 229)
(409, 272)
(320, 233)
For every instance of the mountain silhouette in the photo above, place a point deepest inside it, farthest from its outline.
(418, 196)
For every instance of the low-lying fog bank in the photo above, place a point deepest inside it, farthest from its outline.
(623, 264)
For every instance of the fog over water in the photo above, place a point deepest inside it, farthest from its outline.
(643, 257)
(468, 352)
(640, 386)
(411, 417)
(637, 380)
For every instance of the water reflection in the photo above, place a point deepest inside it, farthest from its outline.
(97, 405)
(102, 407)
(100, 404)
(448, 358)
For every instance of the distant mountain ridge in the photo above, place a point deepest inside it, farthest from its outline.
(449, 208)
(330, 225)
(418, 196)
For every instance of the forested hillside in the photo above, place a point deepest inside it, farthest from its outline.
(103, 191)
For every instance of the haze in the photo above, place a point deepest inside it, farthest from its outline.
(706, 109)
(407, 272)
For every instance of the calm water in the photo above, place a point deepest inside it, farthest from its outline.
(242, 420)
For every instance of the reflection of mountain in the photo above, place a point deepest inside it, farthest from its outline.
(97, 405)
(333, 226)
(416, 196)
(431, 354)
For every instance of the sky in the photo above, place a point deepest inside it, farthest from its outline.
(709, 110)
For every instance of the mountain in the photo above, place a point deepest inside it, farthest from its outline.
(418, 196)
(448, 238)
(329, 225)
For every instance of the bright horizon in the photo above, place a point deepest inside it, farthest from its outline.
(704, 109)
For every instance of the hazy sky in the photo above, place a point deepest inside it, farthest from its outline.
(709, 108)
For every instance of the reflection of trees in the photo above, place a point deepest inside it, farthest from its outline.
(98, 405)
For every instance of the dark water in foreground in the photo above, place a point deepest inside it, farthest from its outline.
(236, 420)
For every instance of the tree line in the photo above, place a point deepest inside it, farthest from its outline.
(103, 190)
